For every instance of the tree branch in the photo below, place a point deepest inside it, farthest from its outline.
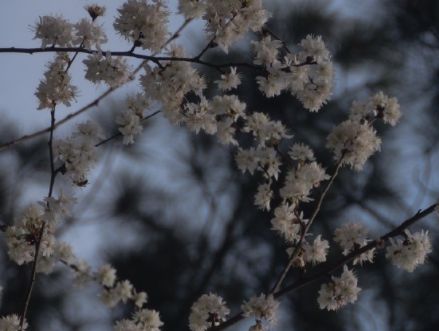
(331, 268)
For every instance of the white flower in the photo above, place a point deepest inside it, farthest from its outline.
(111, 70)
(301, 152)
(199, 116)
(56, 88)
(266, 51)
(410, 252)
(229, 105)
(191, 8)
(227, 21)
(316, 253)
(353, 141)
(262, 307)
(143, 21)
(264, 129)
(209, 310)
(352, 236)
(339, 292)
(140, 299)
(77, 152)
(148, 320)
(263, 196)
(11, 323)
(299, 182)
(107, 275)
(229, 81)
(54, 30)
(129, 125)
(89, 34)
(287, 222)
(385, 107)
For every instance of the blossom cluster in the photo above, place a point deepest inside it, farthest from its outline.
(289, 179)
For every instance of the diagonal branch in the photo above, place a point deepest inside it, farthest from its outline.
(331, 268)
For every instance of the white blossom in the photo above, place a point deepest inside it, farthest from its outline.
(263, 196)
(95, 11)
(209, 310)
(301, 152)
(191, 8)
(352, 236)
(143, 21)
(12, 323)
(287, 222)
(199, 116)
(89, 34)
(410, 252)
(339, 291)
(266, 51)
(316, 252)
(107, 275)
(77, 153)
(229, 81)
(264, 129)
(262, 307)
(54, 31)
(111, 70)
(56, 88)
(227, 21)
(142, 320)
(354, 141)
(299, 182)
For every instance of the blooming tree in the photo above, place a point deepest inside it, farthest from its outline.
(171, 84)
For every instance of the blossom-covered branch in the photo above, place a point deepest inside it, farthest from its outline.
(333, 267)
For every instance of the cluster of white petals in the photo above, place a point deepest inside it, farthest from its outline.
(378, 106)
(129, 120)
(143, 22)
(263, 196)
(301, 180)
(208, 311)
(316, 252)
(56, 88)
(263, 308)
(264, 129)
(307, 74)
(287, 222)
(88, 34)
(77, 153)
(353, 142)
(170, 84)
(11, 323)
(192, 8)
(410, 252)
(106, 68)
(142, 320)
(339, 291)
(352, 236)
(263, 159)
(229, 81)
(54, 31)
(229, 20)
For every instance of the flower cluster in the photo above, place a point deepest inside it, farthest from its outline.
(355, 140)
(353, 236)
(108, 69)
(143, 22)
(129, 120)
(209, 310)
(11, 323)
(307, 74)
(410, 252)
(263, 308)
(142, 320)
(77, 153)
(56, 88)
(339, 292)
(227, 21)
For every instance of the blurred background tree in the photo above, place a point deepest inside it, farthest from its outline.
(173, 214)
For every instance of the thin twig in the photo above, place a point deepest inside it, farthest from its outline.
(287, 268)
